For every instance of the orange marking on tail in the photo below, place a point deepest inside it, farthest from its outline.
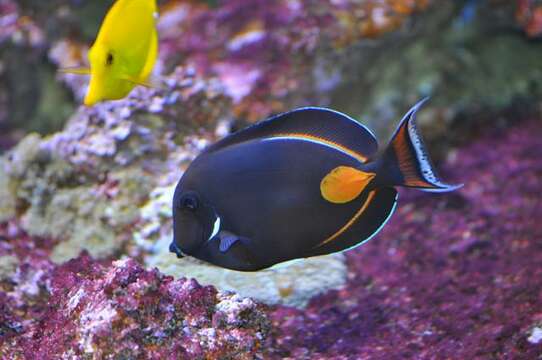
(406, 161)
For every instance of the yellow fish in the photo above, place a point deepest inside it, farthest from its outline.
(124, 52)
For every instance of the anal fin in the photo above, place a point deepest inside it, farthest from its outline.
(375, 211)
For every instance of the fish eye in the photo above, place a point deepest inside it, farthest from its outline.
(189, 202)
(109, 59)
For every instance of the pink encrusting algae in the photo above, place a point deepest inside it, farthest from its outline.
(102, 309)
(271, 47)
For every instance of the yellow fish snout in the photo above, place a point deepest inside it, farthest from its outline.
(106, 86)
(91, 98)
(95, 91)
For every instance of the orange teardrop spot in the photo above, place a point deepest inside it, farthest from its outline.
(344, 184)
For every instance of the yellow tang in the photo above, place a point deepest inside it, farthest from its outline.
(124, 52)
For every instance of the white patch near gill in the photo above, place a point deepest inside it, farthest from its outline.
(216, 228)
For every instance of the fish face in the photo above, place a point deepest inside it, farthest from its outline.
(194, 221)
(106, 82)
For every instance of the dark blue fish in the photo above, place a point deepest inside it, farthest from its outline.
(304, 183)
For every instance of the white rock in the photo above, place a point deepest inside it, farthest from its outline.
(292, 283)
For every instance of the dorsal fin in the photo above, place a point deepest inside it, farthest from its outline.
(311, 123)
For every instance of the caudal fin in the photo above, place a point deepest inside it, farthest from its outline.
(406, 157)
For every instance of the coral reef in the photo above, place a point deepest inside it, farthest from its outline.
(85, 185)
(88, 309)
(265, 52)
(25, 78)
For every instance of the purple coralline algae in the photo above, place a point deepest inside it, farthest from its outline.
(453, 276)
(264, 52)
(90, 309)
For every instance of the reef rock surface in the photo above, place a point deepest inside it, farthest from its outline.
(90, 309)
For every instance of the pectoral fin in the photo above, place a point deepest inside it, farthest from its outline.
(150, 82)
(75, 70)
(228, 239)
(344, 184)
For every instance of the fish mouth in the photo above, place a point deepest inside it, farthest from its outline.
(175, 249)
(205, 234)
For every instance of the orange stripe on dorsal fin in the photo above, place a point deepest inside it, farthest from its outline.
(358, 156)
(407, 157)
(315, 124)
